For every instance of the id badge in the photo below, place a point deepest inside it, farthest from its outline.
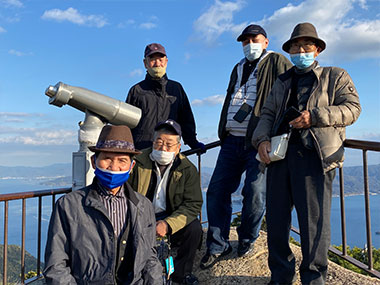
(169, 266)
(242, 113)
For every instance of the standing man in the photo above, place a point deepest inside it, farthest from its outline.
(160, 99)
(171, 182)
(250, 83)
(328, 102)
(104, 233)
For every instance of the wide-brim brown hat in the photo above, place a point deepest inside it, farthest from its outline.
(115, 139)
(304, 30)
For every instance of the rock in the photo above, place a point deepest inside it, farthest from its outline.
(253, 269)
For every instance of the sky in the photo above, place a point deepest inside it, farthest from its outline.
(99, 45)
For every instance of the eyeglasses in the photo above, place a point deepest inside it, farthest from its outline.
(308, 46)
(160, 144)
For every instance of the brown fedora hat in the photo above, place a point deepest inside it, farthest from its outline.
(304, 30)
(115, 139)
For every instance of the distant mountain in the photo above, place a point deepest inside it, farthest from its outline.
(353, 179)
(14, 263)
(59, 175)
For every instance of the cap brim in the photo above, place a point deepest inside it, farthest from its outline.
(127, 151)
(153, 52)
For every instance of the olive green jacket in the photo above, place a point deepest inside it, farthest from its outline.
(183, 193)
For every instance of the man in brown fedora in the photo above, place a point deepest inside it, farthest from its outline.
(326, 101)
(104, 233)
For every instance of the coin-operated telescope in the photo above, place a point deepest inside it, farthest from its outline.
(99, 110)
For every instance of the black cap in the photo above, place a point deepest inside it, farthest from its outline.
(154, 48)
(171, 124)
(252, 30)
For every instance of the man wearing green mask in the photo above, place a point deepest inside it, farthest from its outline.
(160, 99)
(327, 102)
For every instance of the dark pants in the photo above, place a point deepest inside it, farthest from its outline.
(299, 181)
(187, 240)
(233, 160)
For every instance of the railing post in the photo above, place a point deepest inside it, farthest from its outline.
(23, 243)
(39, 235)
(5, 249)
(367, 210)
(342, 212)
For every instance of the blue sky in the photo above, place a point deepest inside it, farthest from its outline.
(99, 45)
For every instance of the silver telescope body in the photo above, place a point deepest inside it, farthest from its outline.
(112, 110)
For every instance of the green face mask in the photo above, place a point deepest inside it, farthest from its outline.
(156, 72)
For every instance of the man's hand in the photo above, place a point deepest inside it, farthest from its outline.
(302, 122)
(161, 228)
(264, 149)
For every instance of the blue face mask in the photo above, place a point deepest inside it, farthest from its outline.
(302, 60)
(112, 179)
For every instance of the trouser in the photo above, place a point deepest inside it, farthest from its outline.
(187, 240)
(233, 160)
(299, 181)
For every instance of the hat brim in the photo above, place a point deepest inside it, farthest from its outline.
(126, 151)
(320, 43)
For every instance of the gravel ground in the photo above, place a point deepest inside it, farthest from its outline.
(253, 269)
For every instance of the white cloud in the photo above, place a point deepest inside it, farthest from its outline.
(12, 3)
(72, 15)
(2, 30)
(34, 136)
(217, 20)
(19, 115)
(136, 72)
(209, 101)
(147, 25)
(18, 53)
(345, 37)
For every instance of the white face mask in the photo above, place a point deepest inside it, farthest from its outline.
(253, 51)
(162, 157)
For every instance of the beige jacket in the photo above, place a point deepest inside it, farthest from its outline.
(333, 105)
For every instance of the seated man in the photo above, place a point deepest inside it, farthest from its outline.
(171, 182)
(104, 233)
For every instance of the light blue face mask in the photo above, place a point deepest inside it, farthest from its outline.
(112, 179)
(302, 60)
(253, 51)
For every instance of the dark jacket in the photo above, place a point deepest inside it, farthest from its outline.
(184, 196)
(268, 69)
(333, 104)
(160, 100)
(82, 248)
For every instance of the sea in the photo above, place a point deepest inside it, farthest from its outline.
(354, 205)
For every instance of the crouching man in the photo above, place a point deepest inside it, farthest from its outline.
(171, 182)
(104, 233)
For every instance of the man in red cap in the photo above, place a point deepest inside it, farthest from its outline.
(104, 233)
(160, 99)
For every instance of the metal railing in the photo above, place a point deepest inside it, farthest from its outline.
(355, 144)
(23, 196)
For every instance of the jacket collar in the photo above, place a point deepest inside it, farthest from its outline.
(93, 200)
(156, 83)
